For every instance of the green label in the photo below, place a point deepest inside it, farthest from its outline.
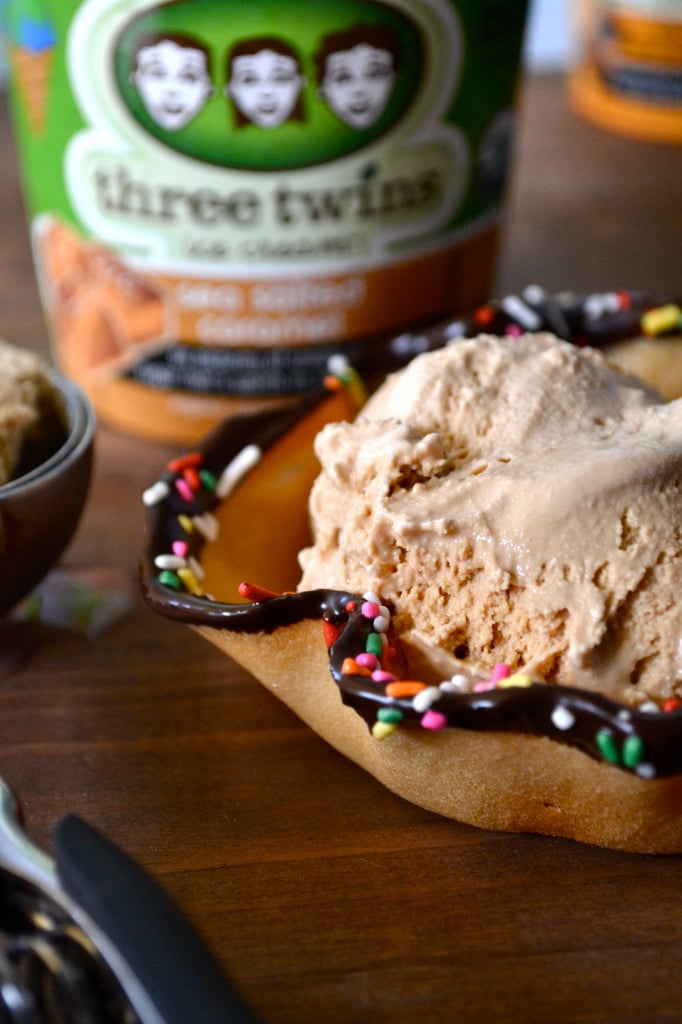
(210, 175)
(347, 130)
(213, 139)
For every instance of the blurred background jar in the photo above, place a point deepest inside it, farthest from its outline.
(628, 72)
(222, 196)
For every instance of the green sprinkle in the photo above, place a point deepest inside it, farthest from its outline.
(208, 480)
(633, 751)
(390, 715)
(606, 743)
(169, 579)
(374, 644)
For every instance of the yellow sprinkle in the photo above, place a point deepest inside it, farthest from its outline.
(662, 319)
(519, 679)
(186, 523)
(356, 389)
(190, 580)
(380, 730)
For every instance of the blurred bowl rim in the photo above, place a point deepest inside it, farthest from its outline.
(80, 425)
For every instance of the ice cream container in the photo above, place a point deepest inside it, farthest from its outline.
(628, 77)
(223, 195)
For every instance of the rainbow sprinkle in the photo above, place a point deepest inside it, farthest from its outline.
(423, 698)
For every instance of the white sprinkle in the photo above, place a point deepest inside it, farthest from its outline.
(595, 306)
(406, 345)
(625, 715)
(562, 718)
(337, 365)
(457, 329)
(650, 706)
(459, 683)
(402, 345)
(169, 562)
(534, 294)
(197, 568)
(523, 314)
(423, 700)
(372, 598)
(234, 471)
(383, 610)
(646, 770)
(381, 623)
(207, 526)
(420, 343)
(156, 493)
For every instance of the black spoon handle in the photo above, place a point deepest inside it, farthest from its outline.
(179, 976)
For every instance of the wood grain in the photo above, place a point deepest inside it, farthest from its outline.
(324, 896)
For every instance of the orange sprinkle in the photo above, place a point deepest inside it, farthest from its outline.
(350, 667)
(332, 383)
(192, 477)
(251, 592)
(183, 461)
(404, 688)
(672, 704)
(331, 632)
(484, 316)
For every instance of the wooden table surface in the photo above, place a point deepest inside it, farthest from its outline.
(325, 897)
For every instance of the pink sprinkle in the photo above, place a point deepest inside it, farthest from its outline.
(184, 489)
(434, 720)
(367, 660)
(501, 671)
(513, 331)
(180, 548)
(382, 677)
(370, 609)
(485, 684)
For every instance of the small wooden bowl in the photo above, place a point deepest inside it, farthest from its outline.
(40, 509)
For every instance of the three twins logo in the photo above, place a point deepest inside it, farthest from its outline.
(204, 78)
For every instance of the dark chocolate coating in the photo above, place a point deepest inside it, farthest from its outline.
(601, 727)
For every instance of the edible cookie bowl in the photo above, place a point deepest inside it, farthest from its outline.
(41, 505)
(503, 749)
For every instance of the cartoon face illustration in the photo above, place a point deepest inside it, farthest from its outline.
(264, 82)
(172, 77)
(357, 72)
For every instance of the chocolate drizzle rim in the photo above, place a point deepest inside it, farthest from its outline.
(646, 742)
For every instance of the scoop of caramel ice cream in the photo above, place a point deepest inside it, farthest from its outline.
(30, 419)
(514, 501)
